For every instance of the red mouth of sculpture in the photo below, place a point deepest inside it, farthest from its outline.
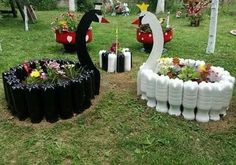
(136, 22)
(104, 20)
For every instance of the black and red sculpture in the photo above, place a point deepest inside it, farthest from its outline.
(82, 52)
(63, 98)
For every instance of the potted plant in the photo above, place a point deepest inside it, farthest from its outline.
(195, 11)
(64, 27)
(144, 34)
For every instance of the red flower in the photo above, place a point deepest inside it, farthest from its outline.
(27, 68)
(176, 61)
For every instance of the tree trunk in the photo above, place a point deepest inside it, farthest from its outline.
(160, 6)
(212, 27)
(71, 5)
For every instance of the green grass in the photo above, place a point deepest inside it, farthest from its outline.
(119, 129)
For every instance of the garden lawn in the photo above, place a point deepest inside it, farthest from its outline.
(118, 128)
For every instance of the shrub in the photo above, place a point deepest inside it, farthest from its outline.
(170, 5)
(44, 4)
(85, 5)
(37, 4)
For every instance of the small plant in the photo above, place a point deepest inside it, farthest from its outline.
(65, 22)
(188, 73)
(175, 68)
(71, 71)
(50, 72)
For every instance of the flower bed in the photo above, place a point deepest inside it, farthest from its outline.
(191, 88)
(48, 88)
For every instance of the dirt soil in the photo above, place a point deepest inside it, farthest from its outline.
(110, 81)
(121, 82)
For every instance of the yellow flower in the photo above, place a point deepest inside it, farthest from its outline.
(163, 60)
(62, 23)
(202, 68)
(35, 73)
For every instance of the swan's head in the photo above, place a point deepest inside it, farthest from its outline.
(143, 16)
(97, 16)
(146, 17)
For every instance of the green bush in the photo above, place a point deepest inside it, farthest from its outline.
(85, 5)
(4, 3)
(170, 5)
(44, 4)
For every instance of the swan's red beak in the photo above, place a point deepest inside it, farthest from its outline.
(136, 22)
(104, 20)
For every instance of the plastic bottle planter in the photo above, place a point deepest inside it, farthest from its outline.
(201, 101)
(68, 39)
(52, 101)
(111, 62)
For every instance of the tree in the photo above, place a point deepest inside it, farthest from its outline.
(212, 27)
(160, 6)
(71, 5)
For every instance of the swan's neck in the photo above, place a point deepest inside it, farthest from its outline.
(81, 32)
(158, 43)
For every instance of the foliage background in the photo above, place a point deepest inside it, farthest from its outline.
(44, 4)
(85, 5)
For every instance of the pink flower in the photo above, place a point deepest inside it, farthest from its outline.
(53, 65)
(43, 75)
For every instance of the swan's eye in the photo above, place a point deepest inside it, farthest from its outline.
(99, 17)
(141, 15)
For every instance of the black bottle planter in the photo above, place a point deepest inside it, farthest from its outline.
(78, 95)
(11, 81)
(91, 75)
(105, 61)
(34, 103)
(20, 73)
(64, 100)
(120, 62)
(5, 77)
(88, 91)
(19, 101)
(49, 101)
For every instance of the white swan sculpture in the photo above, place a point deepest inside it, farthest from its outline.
(204, 101)
(147, 17)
